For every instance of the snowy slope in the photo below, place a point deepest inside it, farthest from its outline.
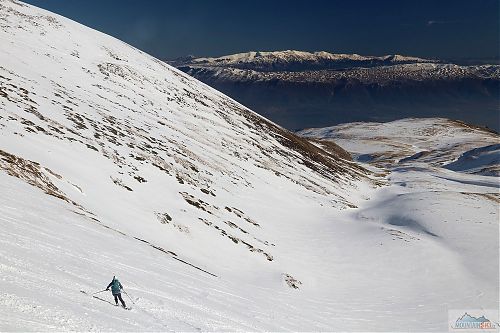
(133, 140)
(132, 148)
(443, 185)
(436, 141)
(213, 218)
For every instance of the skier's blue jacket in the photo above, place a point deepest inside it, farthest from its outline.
(116, 286)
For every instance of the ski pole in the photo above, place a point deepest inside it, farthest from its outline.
(99, 291)
(128, 296)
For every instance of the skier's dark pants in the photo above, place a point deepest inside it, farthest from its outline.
(119, 297)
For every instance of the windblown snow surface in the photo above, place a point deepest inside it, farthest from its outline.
(442, 193)
(213, 218)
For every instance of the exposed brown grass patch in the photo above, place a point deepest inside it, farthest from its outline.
(32, 173)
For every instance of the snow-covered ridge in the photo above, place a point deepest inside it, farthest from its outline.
(281, 60)
(300, 66)
(437, 142)
(293, 55)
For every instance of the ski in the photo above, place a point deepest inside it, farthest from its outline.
(104, 300)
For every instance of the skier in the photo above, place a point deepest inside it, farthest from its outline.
(116, 288)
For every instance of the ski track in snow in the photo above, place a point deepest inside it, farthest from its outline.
(113, 163)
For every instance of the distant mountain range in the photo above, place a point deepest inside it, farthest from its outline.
(300, 89)
(298, 61)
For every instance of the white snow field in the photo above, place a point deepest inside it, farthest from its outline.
(213, 218)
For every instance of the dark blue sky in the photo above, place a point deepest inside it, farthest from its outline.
(173, 28)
